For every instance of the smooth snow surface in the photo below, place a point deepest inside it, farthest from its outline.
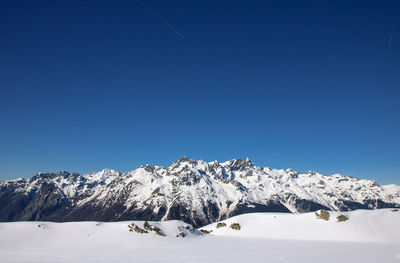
(368, 236)
(362, 226)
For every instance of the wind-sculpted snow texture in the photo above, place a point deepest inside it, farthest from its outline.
(196, 192)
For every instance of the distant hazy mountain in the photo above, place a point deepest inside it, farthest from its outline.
(194, 191)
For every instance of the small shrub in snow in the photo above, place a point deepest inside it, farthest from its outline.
(342, 218)
(235, 226)
(181, 234)
(158, 231)
(322, 215)
(206, 231)
(395, 210)
(140, 230)
(132, 227)
(190, 229)
(221, 225)
(147, 226)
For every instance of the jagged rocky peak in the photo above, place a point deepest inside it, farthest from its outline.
(105, 175)
(191, 190)
(184, 162)
(62, 174)
(240, 164)
(291, 173)
(148, 168)
(311, 173)
(185, 159)
(109, 172)
(214, 163)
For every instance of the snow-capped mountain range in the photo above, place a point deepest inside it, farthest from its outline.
(194, 191)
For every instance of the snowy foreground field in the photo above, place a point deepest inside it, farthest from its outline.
(367, 236)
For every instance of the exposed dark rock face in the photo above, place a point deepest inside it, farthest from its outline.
(193, 191)
(272, 206)
(303, 206)
(367, 204)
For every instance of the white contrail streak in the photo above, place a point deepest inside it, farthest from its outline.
(160, 18)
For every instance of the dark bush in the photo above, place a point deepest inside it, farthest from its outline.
(322, 215)
(206, 231)
(342, 218)
(147, 226)
(133, 227)
(395, 210)
(190, 229)
(140, 230)
(181, 234)
(158, 231)
(235, 226)
(221, 225)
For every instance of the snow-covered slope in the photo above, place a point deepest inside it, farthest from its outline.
(197, 192)
(382, 225)
(368, 236)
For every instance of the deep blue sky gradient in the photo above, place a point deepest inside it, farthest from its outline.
(310, 85)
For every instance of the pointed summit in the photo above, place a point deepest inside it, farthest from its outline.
(107, 174)
(240, 164)
(183, 160)
(247, 160)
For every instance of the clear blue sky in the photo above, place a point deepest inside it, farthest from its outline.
(310, 85)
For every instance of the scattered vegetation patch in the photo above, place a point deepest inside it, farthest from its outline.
(395, 210)
(185, 230)
(221, 225)
(235, 226)
(190, 229)
(132, 227)
(158, 231)
(205, 231)
(42, 226)
(322, 215)
(342, 218)
(181, 234)
(140, 230)
(149, 227)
